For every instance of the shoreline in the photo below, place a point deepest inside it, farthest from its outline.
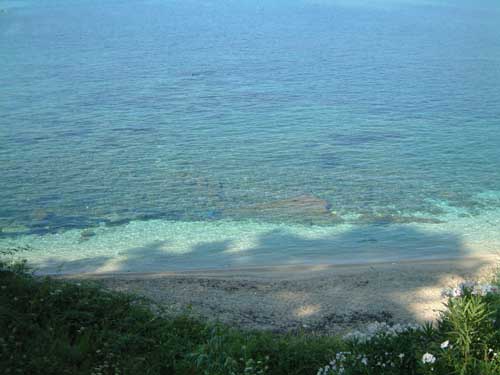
(317, 298)
(276, 269)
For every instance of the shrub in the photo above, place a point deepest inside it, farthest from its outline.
(53, 327)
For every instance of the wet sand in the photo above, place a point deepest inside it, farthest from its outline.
(322, 298)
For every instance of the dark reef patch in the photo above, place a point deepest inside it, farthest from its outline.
(363, 138)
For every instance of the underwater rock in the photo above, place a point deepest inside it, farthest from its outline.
(40, 214)
(363, 138)
(395, 219)
(114, 220)
(330, 160)
(213, 215)
(86, 234)
(202, 73)
(304, 208)
(302, 203)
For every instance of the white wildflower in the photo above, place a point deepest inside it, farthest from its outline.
(379, 329)
(428, 358)
(487, 289)
(445, 344)
(470, 287)
(483, 289)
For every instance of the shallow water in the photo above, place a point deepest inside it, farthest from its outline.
(157, 135)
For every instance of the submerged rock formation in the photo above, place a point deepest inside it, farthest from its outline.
(380, 219)
(303, 208)
(297, 205)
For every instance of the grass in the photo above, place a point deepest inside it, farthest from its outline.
(52, 327)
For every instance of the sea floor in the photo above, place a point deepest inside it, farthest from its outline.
(162, 245)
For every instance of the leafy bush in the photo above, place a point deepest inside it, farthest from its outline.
(53, 327)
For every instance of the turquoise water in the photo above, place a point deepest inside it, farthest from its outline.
(167, 134)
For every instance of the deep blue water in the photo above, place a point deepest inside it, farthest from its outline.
(323, 115)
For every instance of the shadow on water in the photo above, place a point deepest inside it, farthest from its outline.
(324, 304)
(364, 244)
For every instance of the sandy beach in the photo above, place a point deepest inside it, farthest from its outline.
(322, 298)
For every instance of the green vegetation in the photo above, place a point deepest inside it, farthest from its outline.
(53, 327)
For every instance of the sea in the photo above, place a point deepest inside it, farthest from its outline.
(172, 135)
